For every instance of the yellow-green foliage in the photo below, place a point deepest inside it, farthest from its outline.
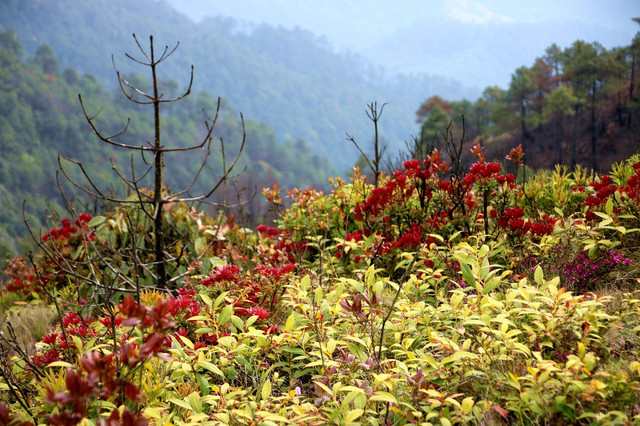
(456, 327)
(532, 352)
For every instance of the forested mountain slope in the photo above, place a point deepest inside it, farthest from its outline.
(477, 42)
(40, 117)
(574, 105)
(287, 78)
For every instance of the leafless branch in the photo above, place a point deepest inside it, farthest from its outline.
(109, 139)
(98, 193)
(226, 172)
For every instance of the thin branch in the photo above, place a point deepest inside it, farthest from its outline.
(134, 89)
(203, 163)
(109, 139)
(226, 173)
(207, 137)
(133, 182)
(184, 95)
(141, 50)
(98, 193)
(139, 193)
(350, 138)
(72, 269)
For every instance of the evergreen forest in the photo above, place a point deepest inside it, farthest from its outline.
(577, 105)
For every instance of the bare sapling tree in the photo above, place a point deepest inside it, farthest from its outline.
(153, 202)
(375, 164)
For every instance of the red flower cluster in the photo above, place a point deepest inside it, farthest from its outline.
(225, 273)
(276, 273)
(411, 239)
(286, 251)
(46, 358)
(243, 306)
(23, 278)
(445, 186)
(543, 227)
(184, 303)
(604, 189)
(355, 236)
(414, 169)
(25, 285)
(632, 189)
(83, 218)
(438, 219)
(75, 325)
(71, 319)
(384, 196)
(261, 313)
(509, 178)
(67, 230)
(482, 172)
(512, 219)
(267, 231)
(106, 321)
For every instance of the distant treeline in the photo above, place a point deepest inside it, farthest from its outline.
(578, 105)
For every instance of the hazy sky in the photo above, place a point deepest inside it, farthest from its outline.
(350, 20)
(379, 29)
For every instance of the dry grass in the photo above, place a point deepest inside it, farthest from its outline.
(30, 323)
(8, 301)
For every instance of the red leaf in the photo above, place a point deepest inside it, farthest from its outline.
(152, 344)
(113, 420)
(129, 420)
(500, 411)
(130, 309)
(131, 391)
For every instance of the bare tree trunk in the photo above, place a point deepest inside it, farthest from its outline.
(152, 206)
(592, 127)
(158, 199)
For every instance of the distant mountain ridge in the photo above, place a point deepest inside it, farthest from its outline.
(286, 78)
(477, 42)
(484, 54)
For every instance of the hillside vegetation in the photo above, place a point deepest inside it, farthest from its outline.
(444, 295)
(454, 289)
